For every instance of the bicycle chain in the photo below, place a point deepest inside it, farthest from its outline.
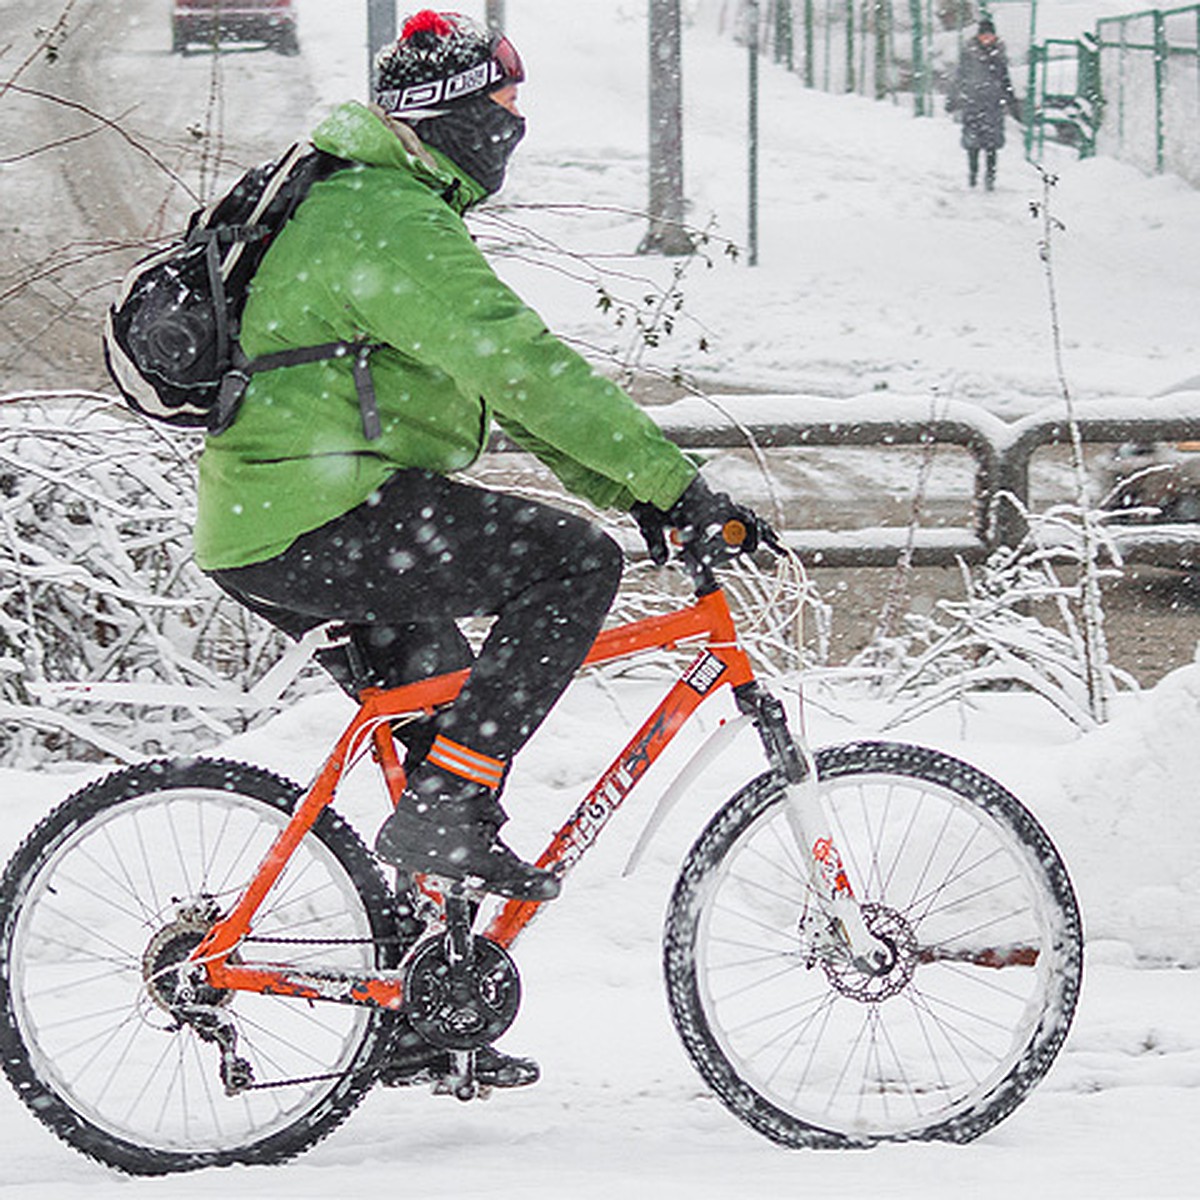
(278, 1083)
(298, 941)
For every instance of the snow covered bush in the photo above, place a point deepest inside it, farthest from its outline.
(97, 583)
(1026, 620)
(96, 513)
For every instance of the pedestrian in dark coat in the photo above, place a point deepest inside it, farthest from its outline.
(981, 92)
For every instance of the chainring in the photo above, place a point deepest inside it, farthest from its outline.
(465, 1005)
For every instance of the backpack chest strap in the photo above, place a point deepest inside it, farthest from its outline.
(234, 383)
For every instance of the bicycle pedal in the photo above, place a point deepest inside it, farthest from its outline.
(462, 1089)
(434, 888)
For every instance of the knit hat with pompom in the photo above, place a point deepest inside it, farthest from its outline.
(439, 59)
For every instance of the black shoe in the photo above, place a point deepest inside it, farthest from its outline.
(433, 1066)
(441, 840)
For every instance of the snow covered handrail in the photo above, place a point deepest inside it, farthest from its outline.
(1002, 451)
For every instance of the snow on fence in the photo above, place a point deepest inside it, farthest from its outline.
(100, 601)
(1150, 74)
(1002, 452)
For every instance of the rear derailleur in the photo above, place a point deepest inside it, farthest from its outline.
(181, 989)
(211, 1025)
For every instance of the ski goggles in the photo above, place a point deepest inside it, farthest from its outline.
(502, 66)
(505, 56)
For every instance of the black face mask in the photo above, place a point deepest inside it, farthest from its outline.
(478, 135)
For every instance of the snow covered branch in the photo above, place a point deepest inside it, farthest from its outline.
(98, 583)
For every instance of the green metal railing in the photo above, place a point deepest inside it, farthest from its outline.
(1150, 74)
(1130, 91)
(1065, 98)
(878, 48)
(885, 49)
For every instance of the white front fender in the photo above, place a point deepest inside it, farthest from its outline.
(714, 745)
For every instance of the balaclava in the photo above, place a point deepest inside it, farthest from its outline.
(438, 77)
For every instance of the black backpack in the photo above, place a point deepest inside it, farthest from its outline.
(170, 340)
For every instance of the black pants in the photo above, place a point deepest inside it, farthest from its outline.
(400, 568)
(989, 177)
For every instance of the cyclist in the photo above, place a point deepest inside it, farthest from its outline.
(307, 514)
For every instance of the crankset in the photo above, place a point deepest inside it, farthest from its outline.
(461, 990)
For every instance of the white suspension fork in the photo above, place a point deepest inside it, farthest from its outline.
(806, 818)
(827, 874)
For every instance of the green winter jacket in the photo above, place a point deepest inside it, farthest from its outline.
(377, 252)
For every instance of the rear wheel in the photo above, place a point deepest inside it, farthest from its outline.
(119, 884)
(954, 877)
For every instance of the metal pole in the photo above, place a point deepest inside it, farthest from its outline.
(495, 16)
(881, 61)
(381, 32)
(1032, 107)
(810, 69)
(918, 58)
(850, 84)
(752, 235)
(1160, 83)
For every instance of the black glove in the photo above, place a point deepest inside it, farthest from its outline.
(652, 525)
(712, 528)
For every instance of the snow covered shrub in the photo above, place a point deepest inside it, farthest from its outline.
(97, 584)
(996, 636)
(1025, 621)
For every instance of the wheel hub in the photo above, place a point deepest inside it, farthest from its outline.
(168, 983)
(881, 981)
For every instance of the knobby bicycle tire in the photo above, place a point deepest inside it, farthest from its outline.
(962, 884)
(118, 883)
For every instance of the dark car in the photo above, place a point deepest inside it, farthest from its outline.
(214, 22)
(1155, 481)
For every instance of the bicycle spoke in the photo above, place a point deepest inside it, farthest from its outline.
(958, 901)
(110, 916)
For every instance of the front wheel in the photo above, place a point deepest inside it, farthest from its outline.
(953, 876)
(100, 904)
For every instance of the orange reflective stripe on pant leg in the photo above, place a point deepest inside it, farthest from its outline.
(462, 760)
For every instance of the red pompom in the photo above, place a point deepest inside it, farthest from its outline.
(426, 21)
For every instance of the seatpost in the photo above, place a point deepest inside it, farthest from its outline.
(459, 940)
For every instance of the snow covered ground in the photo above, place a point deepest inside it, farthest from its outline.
(878, 268)
(619, 1111)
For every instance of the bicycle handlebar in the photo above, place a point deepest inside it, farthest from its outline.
(735, 533)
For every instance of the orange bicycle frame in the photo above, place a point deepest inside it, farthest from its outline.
(721, 662)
